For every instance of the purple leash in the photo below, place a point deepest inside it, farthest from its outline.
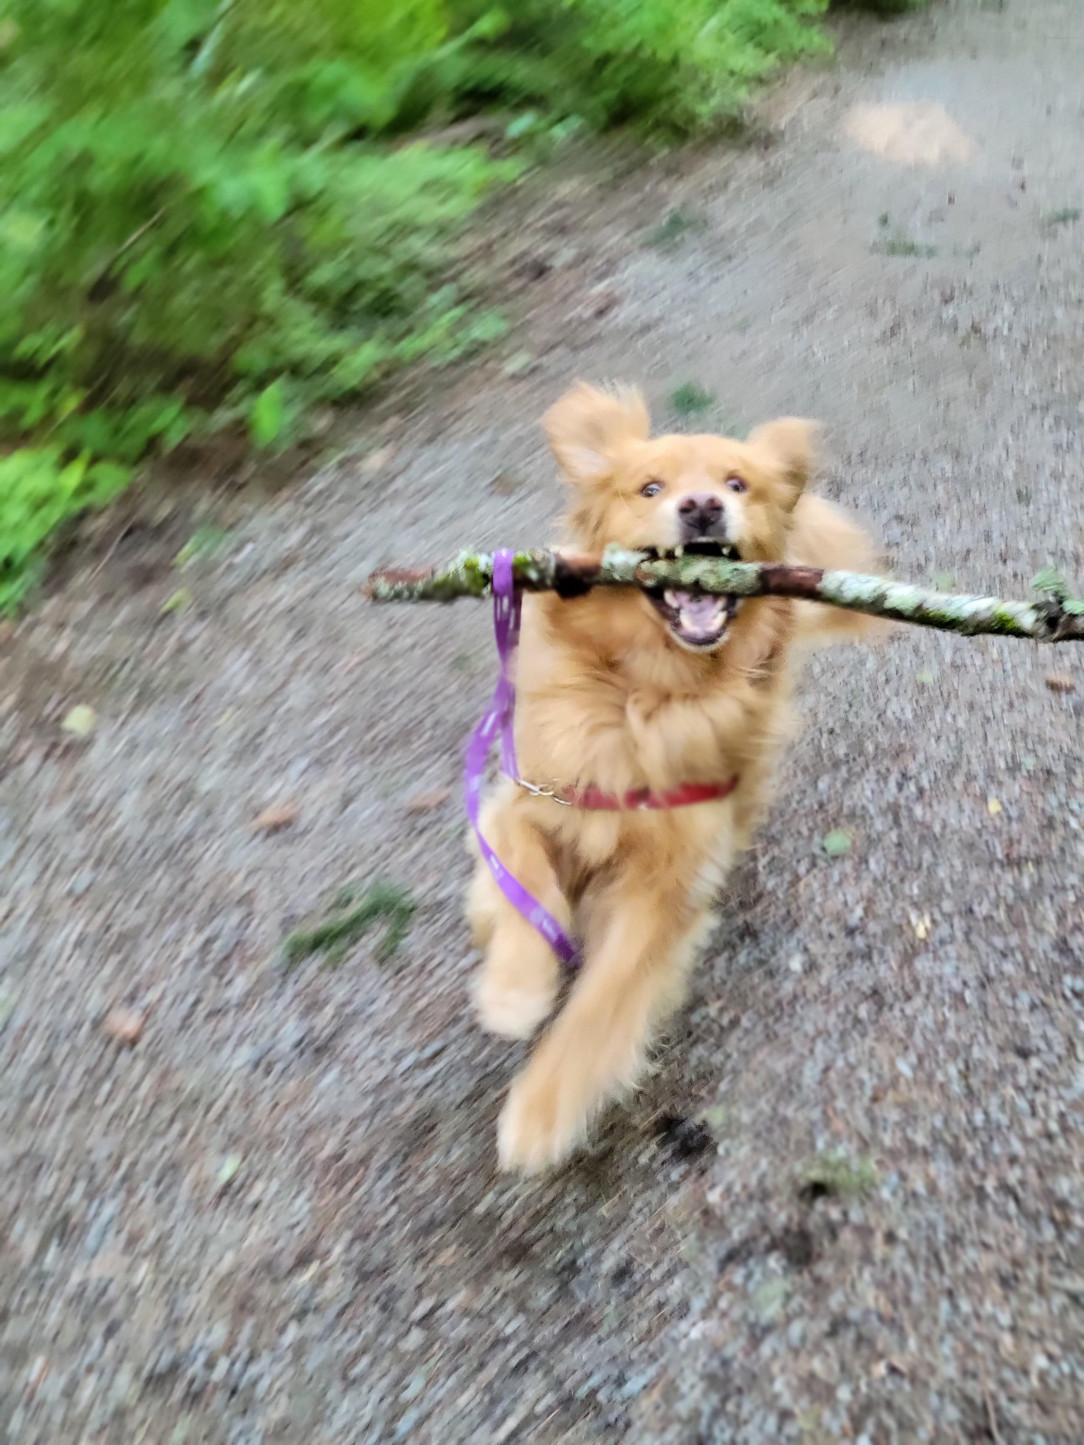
(497, 721)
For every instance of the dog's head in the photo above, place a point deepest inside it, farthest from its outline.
(703, 494)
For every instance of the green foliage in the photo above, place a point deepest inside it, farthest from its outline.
(689, 399)
(668, 66)
(353, 912)
(198, 228)
(212, 212)
(901, 245)
(38, 490)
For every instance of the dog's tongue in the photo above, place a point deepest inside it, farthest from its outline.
(699, 610)
(701, 616)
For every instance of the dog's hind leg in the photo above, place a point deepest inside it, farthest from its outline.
(594, 1048)
(517, 985)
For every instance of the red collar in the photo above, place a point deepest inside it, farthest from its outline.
(595, 800)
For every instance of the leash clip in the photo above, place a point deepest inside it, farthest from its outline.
(540, 792)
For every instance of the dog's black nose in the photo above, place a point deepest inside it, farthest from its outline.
(700, 514)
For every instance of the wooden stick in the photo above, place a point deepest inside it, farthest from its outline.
(1052, 617)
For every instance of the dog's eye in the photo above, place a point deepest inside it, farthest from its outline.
(737, 484)
(651, 489)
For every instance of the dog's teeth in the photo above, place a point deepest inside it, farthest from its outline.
(671, 598)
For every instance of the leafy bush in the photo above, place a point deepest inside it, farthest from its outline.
(186, 242)
(171, 243)
(673, 66)
(212, 212)
(38, 491)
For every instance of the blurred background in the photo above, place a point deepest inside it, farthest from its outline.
(286, 289)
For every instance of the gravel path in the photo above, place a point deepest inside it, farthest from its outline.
(848, 1203)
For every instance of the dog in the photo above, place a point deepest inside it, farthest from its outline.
(625, 690)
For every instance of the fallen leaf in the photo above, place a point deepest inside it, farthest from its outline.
(520, 364)
(228, 1170)
(203, 543)
(377, 460)
(597, 304)
(80, 722)
(993, 807)
(926, 677)
(922, 926)
(837, 843)
(882, 1367)
(37, 1373)
(179, 601)
(427, 802)
(1060, 682)
(124, 1025)
(275, 818)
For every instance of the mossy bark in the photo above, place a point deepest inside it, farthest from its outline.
(1047, 619)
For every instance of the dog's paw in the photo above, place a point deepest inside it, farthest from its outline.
(539, 1127)
(512, 1013)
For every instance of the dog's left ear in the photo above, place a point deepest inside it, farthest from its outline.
(586, 427)
(789, 447)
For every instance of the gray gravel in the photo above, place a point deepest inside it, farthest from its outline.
(847, 1205)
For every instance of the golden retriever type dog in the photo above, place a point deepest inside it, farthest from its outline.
(623, 690)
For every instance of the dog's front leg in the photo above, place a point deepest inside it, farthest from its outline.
(594, 1048)
(518, 983)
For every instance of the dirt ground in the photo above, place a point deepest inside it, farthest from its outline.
(847, 1204)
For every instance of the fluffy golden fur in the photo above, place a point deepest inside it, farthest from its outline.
(622, 691)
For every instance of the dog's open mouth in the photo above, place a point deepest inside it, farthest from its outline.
(698, 620)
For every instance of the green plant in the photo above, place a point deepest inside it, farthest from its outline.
(179, 253)
(901, 245)
(689, 399)
(353, 913)
(667, 66)
(38, 490)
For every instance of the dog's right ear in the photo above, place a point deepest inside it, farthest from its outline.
(587, 426)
